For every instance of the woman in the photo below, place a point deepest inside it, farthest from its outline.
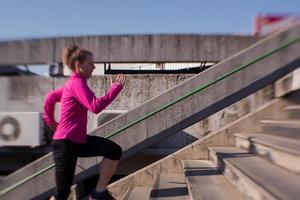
(70, 139)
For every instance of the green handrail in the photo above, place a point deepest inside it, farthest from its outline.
(163, 107)
(12, 187)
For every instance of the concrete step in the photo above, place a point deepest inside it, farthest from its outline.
(294, 111)
(281, 151)
(254, 176)
(170, 186)
(138, 193)
(284, 128)
(206, 182)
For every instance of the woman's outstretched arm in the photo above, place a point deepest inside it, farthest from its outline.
(88, 99)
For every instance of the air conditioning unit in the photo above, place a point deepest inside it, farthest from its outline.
(21, 129)
(105, 116)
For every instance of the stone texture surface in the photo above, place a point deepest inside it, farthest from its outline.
(128, 48)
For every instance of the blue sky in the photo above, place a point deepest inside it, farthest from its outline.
(41, 18)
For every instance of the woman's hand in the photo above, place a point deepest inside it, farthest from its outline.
(119, 80)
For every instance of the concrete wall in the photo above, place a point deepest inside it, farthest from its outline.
(219, 119)
(128, 48)
(27, 94)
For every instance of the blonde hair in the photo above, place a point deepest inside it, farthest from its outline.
(72, 54)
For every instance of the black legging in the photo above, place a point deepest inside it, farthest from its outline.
(66, 152)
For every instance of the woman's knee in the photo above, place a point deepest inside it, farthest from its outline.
(116, 152)
(119, 152)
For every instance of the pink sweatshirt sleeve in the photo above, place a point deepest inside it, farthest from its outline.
(49, 106)
(88, 99)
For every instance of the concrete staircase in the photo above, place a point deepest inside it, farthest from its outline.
(262, 165)
(270, 59)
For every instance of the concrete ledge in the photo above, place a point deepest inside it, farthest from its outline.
(128, 48)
